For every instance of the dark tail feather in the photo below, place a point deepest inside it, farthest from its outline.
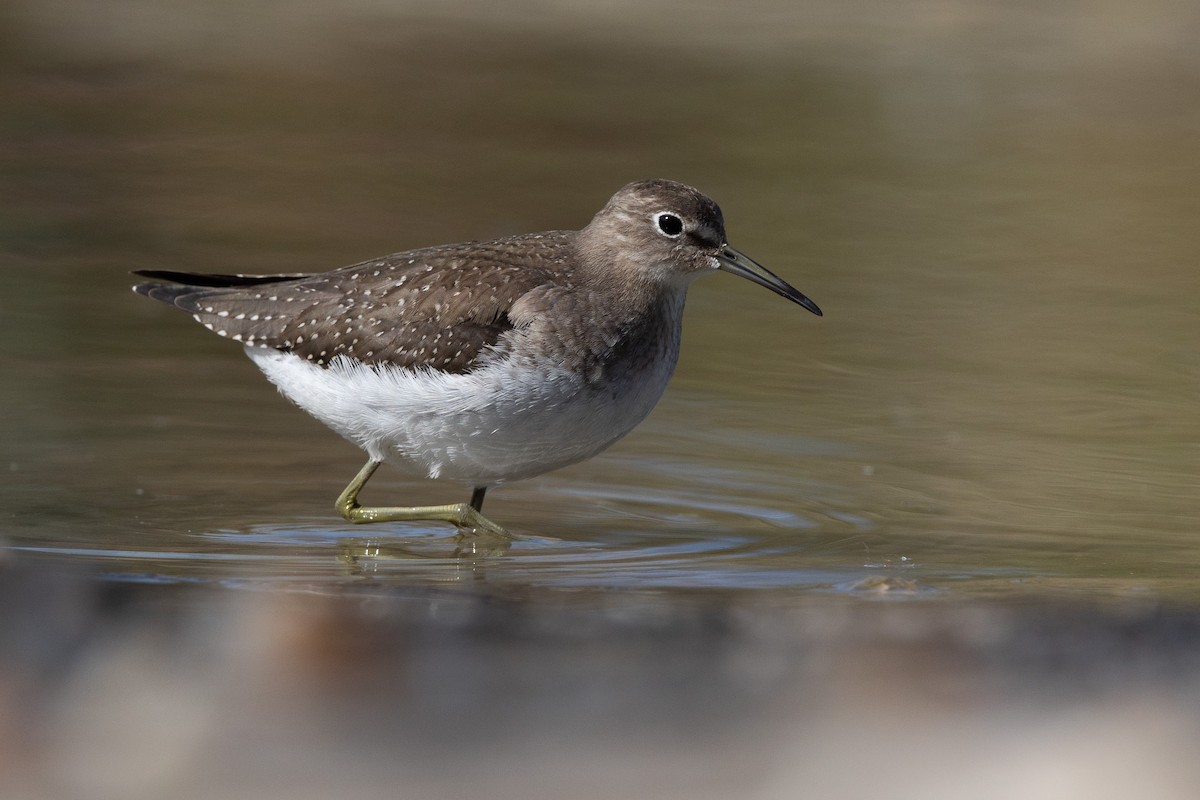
(201, 279)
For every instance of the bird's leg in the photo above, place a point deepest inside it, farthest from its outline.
(463, 515)
(477, 497)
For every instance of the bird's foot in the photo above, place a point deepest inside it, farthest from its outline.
(461, 515)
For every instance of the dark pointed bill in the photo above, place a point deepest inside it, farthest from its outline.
(738, 263)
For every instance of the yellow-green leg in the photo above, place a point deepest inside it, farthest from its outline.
(465, 516)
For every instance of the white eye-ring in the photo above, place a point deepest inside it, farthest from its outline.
(668, 224)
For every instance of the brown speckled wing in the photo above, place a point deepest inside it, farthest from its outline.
(438, 308)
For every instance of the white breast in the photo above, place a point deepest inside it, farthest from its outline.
(505, 421)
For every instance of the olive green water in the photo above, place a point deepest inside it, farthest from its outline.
(995, 206)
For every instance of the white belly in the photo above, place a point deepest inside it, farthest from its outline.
(495, 424)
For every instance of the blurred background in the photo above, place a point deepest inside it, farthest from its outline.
(941, 542)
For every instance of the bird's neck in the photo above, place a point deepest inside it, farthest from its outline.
(614, 271)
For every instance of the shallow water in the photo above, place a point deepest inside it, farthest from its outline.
(1003, 385)
(994, 206)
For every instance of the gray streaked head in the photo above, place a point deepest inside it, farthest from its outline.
(669, 234)
(666, 230)
(674, 211)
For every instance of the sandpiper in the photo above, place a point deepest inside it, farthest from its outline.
(482, 362)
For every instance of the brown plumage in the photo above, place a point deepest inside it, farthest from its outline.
(438, 307)
(487, 361)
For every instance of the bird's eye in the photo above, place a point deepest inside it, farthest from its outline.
(669, 224)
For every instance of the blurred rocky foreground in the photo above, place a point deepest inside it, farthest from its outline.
(114, 688)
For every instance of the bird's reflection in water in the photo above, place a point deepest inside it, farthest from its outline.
(465, 552)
